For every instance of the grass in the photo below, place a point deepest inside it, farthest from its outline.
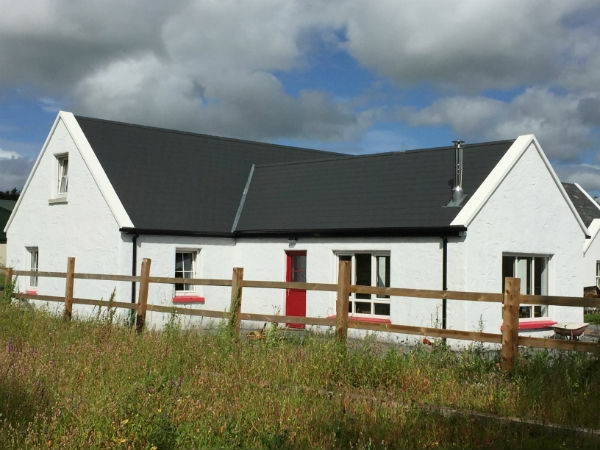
(95, 384)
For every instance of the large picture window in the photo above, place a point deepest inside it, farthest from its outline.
(369, 269)
(185, 267)
(533, 272)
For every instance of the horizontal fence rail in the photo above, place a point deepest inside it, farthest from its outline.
(510, 299)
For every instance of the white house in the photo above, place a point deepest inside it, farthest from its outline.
(589, 211)
(457, 217)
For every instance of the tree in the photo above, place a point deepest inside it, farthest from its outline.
(12, 194)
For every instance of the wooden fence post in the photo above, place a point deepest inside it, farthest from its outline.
(143, 295)
(69, 284)
(341, 307)
(235, 308)
(510, 323)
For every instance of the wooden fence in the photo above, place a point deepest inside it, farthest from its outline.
(510, 299)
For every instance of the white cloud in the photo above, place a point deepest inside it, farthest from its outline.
(472, 44)
(211, 65)
(7, 154)
(556, 119)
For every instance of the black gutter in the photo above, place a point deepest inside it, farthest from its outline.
(348, 232)
(156, 232)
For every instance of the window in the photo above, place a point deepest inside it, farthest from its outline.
(63, 172)
(33, 265)
(369, 269)
(297, 267)
(533, 272)
(185, 265)
(598, 274)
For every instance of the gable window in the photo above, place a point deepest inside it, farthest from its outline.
(62, 182)
(533, 272)
(369, 269)
(33, 265)
(185, 267)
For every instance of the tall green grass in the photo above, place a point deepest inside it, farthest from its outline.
(95, 384)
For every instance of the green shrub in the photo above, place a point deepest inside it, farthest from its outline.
(592, 318)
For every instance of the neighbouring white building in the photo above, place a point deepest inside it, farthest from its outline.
(458, 217)
(589, 211)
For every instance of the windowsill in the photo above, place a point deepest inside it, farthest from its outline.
(188, 299)
(57, 201)
(365, 319)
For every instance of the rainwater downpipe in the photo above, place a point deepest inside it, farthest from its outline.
(133, 274)
(444, 281)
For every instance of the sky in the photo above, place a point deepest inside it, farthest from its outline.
(353, 76)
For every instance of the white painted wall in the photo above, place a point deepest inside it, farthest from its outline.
(526, 214)
(215, 260)
(265, 259)
(591, 254)
(83, 227)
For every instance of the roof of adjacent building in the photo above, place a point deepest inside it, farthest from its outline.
(587, 207)
(179, 182)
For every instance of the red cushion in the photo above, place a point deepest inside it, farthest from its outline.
(534, 324)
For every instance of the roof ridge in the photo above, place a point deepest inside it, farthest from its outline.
(210, 136)
(382, 154)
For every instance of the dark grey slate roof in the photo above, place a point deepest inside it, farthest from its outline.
(179, 181)
(587, 209)
(398, 190)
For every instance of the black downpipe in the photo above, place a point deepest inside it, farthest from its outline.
(444, 279)
(133, 274)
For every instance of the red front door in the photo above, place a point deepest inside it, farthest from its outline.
(295, 299)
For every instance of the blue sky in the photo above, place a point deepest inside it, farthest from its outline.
(345, 75)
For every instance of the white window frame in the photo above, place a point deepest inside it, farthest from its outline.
(34, 262)
(62, 160)
(375, 298)
(191, 288)
(524, 287)
(598, 274)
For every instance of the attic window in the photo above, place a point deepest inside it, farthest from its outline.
(62, 181)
